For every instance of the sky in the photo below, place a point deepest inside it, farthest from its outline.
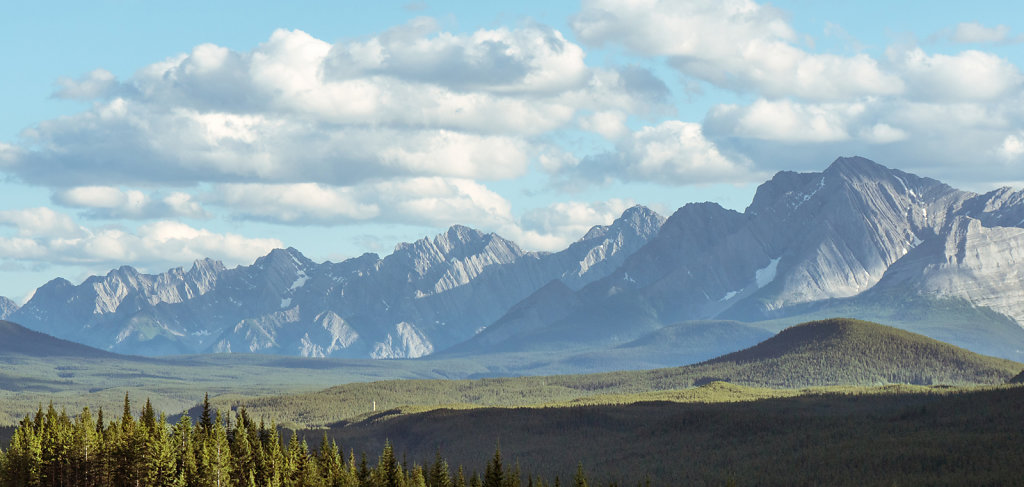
(154, 133)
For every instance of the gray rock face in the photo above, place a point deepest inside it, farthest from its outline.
(984, 265)
(856, 233)
(7, 307)
(425, 296)
(805, 239)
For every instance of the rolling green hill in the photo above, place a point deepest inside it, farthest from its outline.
(844, 351)
(835, 352)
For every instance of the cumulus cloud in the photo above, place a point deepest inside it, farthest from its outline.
(418, 201)
(532, 59)
(42, 222)
(967, 76)
(44, 235)
(555, 227)
(785, 120)
(672, 152)
(1012, 147)
(735, 44)
(410, 102)
(97, 84)
(108, 202)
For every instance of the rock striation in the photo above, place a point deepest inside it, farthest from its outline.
(425, 296)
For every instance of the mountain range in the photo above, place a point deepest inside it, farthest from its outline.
(857, 239)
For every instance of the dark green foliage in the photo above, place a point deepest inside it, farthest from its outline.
(906, 436)
(1018, 379)
(53, 449)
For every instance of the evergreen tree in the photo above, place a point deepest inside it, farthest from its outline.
(274, 461)
(126, 464)
(439, 475)
(206, 419)
(85, 448)
(159, 465)
(23, 458)
(184, 453)
(243, 458)
(388, 472)
(329, 463)
(460, 478)
(580, 479)
(219, 452)
(416, 478)
(493, 474)
(55, 444)
(364, 473)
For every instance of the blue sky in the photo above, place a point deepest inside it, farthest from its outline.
(154, 133)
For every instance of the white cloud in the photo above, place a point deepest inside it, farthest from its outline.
(42, 222)
(294, 203)
(735, 44)
(53, 238)
(609, 124)
(967, 76)
(555, 227)
(108, 202)
(417, 201)
(785, 120)
(410, 102)
(882, 133)
(98, 83)
(1012, 147)
(672, 152)
(532, 59)
(975, 33)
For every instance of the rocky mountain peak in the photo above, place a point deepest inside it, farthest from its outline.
(7, 307)
(207, 265)
(636, 220)
(857, 167)
(283, 258)
(460, 239)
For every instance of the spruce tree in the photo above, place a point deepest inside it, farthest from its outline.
(439, 475)
(85, 449)
(206, 419)
(388, 472)
(580, 479)
(460, 478)
(184, 451)
(494, 474)
(23, 458)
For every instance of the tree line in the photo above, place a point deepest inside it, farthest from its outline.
(53, 449)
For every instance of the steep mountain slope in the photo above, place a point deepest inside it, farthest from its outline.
(7, 307)
(20, 341)
(426, 295)
(855, 230)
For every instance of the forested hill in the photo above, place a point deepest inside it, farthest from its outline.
(1019, 379)
(845, 351)
(834, 352)
(16, 339)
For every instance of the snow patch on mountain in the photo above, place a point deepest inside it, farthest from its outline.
(766, 274)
